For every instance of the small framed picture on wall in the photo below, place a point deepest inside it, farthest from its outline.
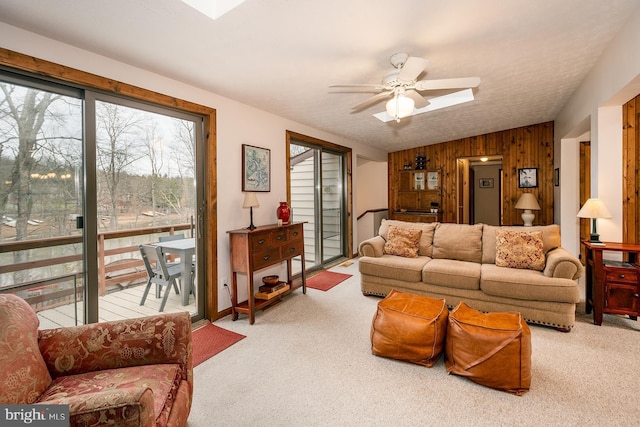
(486, 182)
(528, 177)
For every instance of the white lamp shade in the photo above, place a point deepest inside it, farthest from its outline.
(400, 106)
(250, 201)
(594, 208)
(528, 201)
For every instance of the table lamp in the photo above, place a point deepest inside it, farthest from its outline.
(528, 202)
(250, 202)
(594, 209)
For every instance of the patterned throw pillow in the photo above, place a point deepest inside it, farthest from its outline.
(519, 249)
(402, 242)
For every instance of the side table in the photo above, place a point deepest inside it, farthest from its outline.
(612, 287)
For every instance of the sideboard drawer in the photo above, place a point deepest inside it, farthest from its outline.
(265, 258)
(293, 248)
(622, 275)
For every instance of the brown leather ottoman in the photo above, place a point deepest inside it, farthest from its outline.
(492, 349)
(409, 327)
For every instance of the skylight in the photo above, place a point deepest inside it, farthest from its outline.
(214, 9)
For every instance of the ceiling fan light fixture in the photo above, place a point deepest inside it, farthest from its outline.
(400, 106)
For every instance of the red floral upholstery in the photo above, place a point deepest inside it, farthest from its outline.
(135, 372)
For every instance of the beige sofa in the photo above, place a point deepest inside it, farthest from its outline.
(457, 262)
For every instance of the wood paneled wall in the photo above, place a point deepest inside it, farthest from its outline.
(631, 171)
(524, 147)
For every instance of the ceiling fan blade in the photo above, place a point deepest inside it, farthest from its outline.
(412, 69)
(461, 83)
(418, 100)
(372, 100)
(361, 87)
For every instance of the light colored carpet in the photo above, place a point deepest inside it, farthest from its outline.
(307, 362)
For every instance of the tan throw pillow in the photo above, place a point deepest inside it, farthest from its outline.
(519, 249)
(402, 242)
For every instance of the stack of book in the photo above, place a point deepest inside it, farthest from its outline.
(270, 291)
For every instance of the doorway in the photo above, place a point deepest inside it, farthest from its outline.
(479, 192)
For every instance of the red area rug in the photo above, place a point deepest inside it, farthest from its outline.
(326, 280)
(211, 340)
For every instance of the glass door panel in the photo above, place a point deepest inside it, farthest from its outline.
(331, 206)
(146, 195)
(41, 198)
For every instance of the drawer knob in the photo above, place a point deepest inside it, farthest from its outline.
(295, 233)
(636, 295)
(280, 237)
(266, 257)
(261, 241)
(622, 276)
(292, 249)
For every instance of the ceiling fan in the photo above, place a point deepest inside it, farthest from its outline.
(401, 85)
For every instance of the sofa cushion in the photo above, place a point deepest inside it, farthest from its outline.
(519, 249)
(527, 285)
(426, 239)
(458, 241)
(394, 267)
(452, 274)
(93, 395)
(23, 372)
(550, 239)
(402, 242)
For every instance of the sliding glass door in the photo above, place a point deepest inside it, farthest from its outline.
(318, 198)
(85, 179)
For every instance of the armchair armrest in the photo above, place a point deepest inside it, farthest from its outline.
(163, 338)
(117, 407)
(561, 263)
(373, 247)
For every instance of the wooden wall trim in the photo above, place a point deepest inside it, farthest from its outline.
(524, 147)
(630, 171)
(19, 61)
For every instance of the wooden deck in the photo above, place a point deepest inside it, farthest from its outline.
(122, 304)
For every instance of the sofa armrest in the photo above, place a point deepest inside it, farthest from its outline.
(131, 406)
(162, 338)
(561, 263)
(373, 247)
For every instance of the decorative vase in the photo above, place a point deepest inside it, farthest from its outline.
(283, 212)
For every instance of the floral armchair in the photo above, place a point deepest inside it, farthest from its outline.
(135, 372)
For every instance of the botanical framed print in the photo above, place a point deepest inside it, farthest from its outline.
(256, 169)
(528, 177)
(486, 182)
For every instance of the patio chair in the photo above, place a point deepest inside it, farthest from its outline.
(160, 273)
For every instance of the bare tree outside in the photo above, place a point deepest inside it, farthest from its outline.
(119, 146)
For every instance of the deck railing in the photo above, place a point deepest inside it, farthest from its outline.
(122, 270)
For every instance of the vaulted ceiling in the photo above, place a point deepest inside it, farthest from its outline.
(282, 55)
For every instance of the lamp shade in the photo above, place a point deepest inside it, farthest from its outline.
(528, 201)
(250, 201)
(594, 208)
(400, 106)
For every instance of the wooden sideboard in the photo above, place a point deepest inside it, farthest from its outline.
(612, 287)
(253, 250)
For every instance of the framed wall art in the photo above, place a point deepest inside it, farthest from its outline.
(256, 169)
(486, 182)
(528, 177)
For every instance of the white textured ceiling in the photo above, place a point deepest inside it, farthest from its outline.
(282, 55)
